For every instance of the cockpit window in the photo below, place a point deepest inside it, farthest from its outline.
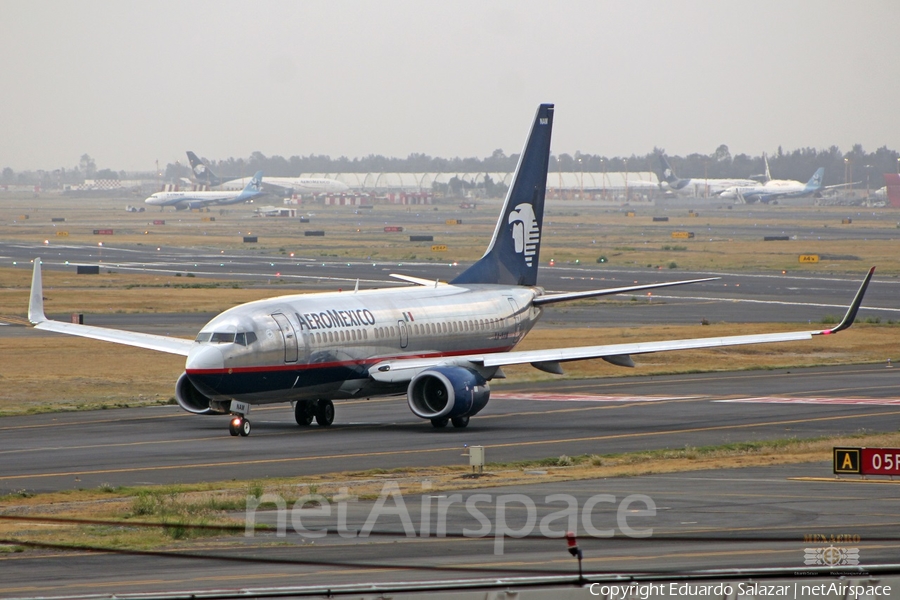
(221, 337)
(245, 339)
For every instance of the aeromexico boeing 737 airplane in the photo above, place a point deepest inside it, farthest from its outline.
(440, 344)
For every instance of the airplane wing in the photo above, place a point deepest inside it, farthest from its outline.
(160, 343)
(399, 370)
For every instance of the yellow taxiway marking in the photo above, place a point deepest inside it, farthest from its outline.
(568, 440)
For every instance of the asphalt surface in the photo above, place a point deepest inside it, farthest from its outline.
(728, 519)
(164, 445)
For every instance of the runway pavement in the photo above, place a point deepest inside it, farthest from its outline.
(162, 445)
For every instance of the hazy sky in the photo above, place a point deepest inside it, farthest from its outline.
(132, 82)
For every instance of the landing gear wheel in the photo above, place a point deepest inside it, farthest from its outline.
(460, 422)
(239, 426)
(439, 423)
(325, 413)
(304, 412)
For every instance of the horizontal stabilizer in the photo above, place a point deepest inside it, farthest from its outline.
(417, 280)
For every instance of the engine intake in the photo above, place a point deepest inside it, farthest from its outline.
(192, 400)
(447, 393)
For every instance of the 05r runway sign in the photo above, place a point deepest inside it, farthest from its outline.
(867, 461)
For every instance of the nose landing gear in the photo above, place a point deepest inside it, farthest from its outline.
(239, 426)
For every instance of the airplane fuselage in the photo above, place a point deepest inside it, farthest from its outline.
(322, 346)
(175, 198)
(763, 193)
(712, 186)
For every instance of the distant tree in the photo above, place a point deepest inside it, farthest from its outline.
(722, 154)
(106, 174)
(176, 171)
(8, 175)
(88, 166)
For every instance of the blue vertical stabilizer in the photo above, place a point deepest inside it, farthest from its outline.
(512, 258)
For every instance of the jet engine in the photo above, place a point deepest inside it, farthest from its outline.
(192, 400)
(447, 393)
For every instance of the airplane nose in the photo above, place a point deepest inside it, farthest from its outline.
(204, 357)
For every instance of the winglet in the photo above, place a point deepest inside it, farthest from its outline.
(36, 304)
(848, 319)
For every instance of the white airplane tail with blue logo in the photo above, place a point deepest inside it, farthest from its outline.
(815, 182)
(513, 255)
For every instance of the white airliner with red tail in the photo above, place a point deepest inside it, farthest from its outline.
(440, 344)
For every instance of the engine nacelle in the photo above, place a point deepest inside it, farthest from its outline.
(192, 400)
(447, 392)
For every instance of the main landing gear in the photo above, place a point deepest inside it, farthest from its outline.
(320, 410)
(458, 422)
